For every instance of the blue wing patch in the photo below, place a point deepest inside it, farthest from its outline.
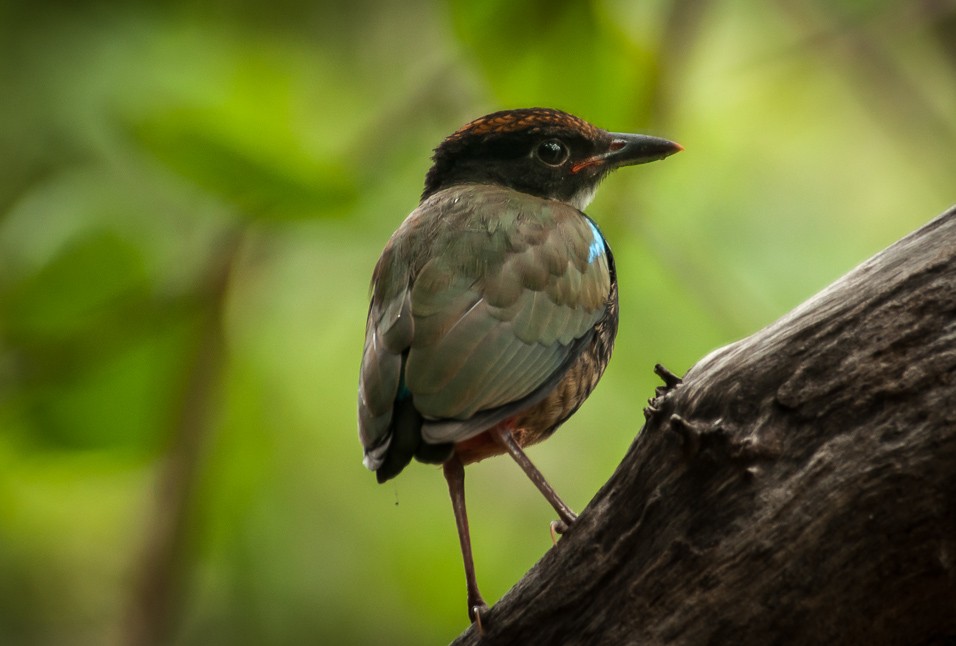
(596, 250)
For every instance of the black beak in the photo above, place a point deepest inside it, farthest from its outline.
(627, 150)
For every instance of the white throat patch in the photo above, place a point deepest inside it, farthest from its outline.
(583, 197)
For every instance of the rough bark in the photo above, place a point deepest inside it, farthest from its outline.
(798, 487)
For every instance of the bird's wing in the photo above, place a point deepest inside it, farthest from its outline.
(497, 305)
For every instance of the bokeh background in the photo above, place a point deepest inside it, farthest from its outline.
(193, 196)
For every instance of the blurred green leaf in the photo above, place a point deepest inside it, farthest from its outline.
(119, 394)
(562, 54)
(76, 288)
(95, 354)
(241, 176)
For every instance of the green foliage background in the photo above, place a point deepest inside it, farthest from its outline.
(193, 196)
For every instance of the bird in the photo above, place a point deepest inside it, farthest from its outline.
(494, 305)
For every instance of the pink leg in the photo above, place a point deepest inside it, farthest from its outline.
(502, 435)
(455, 475)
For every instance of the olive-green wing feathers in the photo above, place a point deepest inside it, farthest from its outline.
(475, 314)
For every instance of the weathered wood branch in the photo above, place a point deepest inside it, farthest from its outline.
(798, 487)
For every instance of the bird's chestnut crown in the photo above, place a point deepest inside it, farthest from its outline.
(540, 151)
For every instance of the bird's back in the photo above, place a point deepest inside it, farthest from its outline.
(487, 305)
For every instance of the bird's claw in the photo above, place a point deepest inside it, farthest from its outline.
(560, 527)
(557, 527)
(475, 612)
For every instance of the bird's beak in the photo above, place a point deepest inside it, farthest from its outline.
(627, 149)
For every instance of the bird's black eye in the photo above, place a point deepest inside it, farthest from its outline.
(552, 152)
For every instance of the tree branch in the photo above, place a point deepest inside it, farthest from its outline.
(799, 486)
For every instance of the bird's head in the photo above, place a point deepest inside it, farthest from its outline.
(544, 152)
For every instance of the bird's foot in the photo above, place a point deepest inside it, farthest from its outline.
(557, 527)
(475, 610)
(560, 527)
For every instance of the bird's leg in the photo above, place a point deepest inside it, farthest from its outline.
(455, 476)
(502, 434)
